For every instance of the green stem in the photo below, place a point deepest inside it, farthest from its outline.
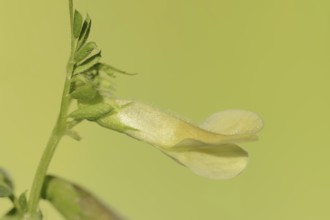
(41, 171)
(56, 135)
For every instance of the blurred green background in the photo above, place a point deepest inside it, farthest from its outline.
(194, 57)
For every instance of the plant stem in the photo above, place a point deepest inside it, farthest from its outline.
(56, 135)
(41, 171)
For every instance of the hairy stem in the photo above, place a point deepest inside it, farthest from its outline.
(56, 135)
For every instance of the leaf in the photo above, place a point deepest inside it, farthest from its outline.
(91, 112)
(6, 184)
(74, 202)
(22, 202)
(19, 211)
(110, 70)
(84, 33)
(5, 190)
(84, 51)
(77, 23)
(87, 64)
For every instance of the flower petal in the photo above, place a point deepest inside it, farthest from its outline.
(158, 128)
(208, 150)
(215, 162)
(233, 122)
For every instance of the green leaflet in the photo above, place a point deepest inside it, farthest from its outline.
(22, 202)
(104, 68)
(5, 190)
(74, 202)
(91, 112)
(84, 51)
(19, 210)
(110, 70)
(6, 185)
(87, 64)
(77, 24)
(84, 33)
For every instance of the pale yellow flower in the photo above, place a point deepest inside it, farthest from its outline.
(209, 149)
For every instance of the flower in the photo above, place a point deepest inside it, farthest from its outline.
(209, 150)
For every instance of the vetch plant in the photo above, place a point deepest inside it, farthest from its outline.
(210, 149)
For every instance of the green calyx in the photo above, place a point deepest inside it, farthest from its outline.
(91, 112)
